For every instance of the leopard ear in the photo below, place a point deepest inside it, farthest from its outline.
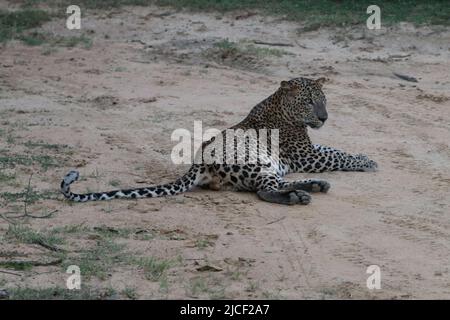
(285, 85)
(321, 81)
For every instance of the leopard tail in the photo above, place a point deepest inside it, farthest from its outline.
(186, 182)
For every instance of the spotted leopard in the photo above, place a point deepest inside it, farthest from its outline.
(297, 104)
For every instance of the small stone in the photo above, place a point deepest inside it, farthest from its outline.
(4, 294)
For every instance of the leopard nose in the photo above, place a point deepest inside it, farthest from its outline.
(323, 118)
(321, 111)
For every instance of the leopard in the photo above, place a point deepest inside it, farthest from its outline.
(297, 105)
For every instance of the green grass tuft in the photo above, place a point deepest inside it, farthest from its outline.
(154, 269)
(8, 160)
(13, 23)
(30, 195)
(58, 293)
(99, 260)
(27, 235)
(249, 49)
(37, 39)
(130, 293)
(5, 177)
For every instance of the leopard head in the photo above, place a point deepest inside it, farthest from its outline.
(304, 102)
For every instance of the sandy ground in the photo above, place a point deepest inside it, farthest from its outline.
(151, 70)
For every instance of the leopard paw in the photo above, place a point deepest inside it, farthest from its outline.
(299, 197)
(365, 164)
(320, 186)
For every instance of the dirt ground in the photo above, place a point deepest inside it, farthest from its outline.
(109, 110)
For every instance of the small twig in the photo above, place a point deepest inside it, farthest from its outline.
(300, 45)
(139, 41)
(399, 56)
(50, 263)
(48, 246)
(139, 61)
(6, 219)
(274, 44)
(159, 15)
(25, 201)
(32, 263)
(277, 220)
(9, 272)
(404, 77)
(25, 208)
(48, 215)
(245, 15)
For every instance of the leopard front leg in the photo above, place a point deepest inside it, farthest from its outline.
(271, 188)
(359, 162)
(310, 185)
(324, 158)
